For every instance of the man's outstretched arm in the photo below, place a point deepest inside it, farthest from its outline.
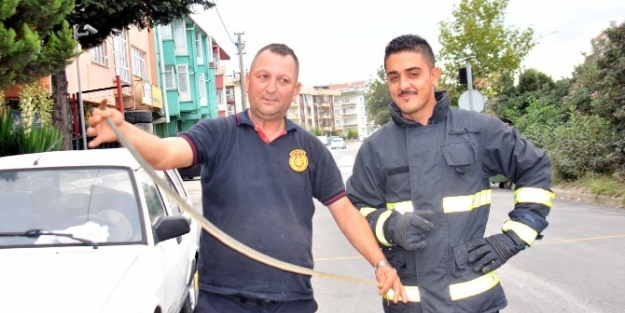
(160, 153)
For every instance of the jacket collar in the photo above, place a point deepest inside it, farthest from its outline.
(440, 111)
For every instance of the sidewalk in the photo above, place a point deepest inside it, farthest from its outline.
(577, 195)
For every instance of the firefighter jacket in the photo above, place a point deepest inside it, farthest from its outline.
(445, 167)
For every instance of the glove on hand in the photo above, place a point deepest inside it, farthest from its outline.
(492, 252)
(408, 230)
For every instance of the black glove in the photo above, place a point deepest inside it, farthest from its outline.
(408, 230)
(492, 252)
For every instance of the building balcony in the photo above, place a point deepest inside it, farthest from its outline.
(230, 99)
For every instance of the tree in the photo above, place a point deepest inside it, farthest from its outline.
(352, 134)
(532, 80)
(105, 16)
(478, 29)
(35, 40)
(534, 87)
(597, 89)
(378, 98)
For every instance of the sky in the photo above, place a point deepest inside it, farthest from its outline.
(339, 41)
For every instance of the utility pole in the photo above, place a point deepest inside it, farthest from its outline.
(470, 99)
(88, 30)
(240, 47)
(470, 80)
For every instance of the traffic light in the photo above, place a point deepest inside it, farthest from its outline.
(462, 76)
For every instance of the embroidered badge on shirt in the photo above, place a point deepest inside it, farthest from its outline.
(298, 160)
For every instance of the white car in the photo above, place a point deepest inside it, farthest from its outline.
(337, 143)
(90, 231)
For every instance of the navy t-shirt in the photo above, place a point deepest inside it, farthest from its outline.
(262, 195)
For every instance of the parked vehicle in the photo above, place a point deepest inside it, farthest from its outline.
(190, 172)
(90, 231)
(502, 181)
(337, 143)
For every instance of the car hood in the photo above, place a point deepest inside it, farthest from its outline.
(62, 279)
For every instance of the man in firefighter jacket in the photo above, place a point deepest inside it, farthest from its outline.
(422, 183)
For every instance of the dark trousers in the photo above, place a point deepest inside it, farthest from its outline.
(209, 302)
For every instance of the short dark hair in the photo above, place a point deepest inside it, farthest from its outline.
(413, 43)
(282, 50)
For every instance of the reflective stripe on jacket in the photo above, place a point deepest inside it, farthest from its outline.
(445, 167)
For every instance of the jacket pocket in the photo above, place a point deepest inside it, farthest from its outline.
(460, 155)
(461, 256)
(397, 183)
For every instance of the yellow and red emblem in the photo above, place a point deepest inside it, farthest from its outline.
(298, 160)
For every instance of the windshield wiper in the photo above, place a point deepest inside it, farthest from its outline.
(36, 233)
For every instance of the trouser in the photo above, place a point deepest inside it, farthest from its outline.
(390, 307)
(209, 302)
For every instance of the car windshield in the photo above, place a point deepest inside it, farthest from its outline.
(337, 140)
(97, 204)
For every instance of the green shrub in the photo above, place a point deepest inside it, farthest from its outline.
(581, 147)
(539, 122)
(15, 139)
(352, 134)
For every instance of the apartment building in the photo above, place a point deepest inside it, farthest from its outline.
(350, 110)
(122, 71)
(314, 110)
(233, 95)
(188, 65)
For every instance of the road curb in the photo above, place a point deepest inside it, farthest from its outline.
(576, 195)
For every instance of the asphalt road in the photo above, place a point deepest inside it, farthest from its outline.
(578, 267)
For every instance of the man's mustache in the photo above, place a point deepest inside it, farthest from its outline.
(407, 92)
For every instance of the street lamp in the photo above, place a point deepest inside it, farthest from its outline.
(88, 30)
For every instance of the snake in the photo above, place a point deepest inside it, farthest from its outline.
(218, 233)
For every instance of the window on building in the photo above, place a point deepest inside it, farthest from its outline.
(98, 54)
(170, 77)
(199, 47)
(220, 96)
(209, 49)
(180, 37)
(184, 93)
(138, 63)
(120, 44)
(165, 31)
(202, 89)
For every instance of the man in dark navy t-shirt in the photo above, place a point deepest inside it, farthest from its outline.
(260, 175)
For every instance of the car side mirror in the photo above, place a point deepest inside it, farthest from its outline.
(168, 227)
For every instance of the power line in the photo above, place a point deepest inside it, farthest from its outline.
(222, 23)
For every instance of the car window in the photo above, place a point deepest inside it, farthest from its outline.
(172, 203)
(177, 181)
(95, 203)
(152, 196)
